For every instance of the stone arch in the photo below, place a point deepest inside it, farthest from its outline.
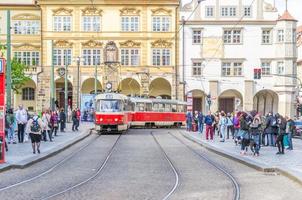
(230, 100)
(129, 86)
(198, 100)
(160, 87)
(266, 101)
(27, 95)
(88, 86)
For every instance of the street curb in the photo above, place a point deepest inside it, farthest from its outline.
(254, 165)
(28, 162)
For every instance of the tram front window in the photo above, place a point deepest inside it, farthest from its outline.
(110, 106)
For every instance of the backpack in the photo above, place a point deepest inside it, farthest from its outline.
(35, 127)
(273, 122)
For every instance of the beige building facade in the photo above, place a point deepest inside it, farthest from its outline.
(76, 34)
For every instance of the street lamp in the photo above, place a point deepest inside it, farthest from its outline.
(78, 59)
(209, 101)
(66, 86)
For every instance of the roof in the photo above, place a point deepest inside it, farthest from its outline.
(286, 17)
(299, 29)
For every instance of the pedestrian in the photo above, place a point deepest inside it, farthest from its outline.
(34, 128)
(200, 122)
(74, 119)
(69, 116)
(21, 117)
(209, 121)
(9, 125)
(62, 120)
(289, 132)
(271, 129)
(54, 120)
(244, 134)
(230, 126)
(216, 122)
(47, 126)
(78, 113)
(255, 135)
(281, 121)
(222, 126)
(236, 127)
(189, 121)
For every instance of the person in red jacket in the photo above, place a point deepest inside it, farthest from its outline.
(78, 114)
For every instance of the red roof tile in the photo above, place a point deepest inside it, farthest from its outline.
(286, 17)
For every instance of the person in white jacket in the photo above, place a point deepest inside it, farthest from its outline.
(21, 118)
(47, 126)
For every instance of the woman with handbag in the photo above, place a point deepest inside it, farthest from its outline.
(54, 120)
(47, 126)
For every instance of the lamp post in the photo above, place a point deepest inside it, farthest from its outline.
(52, 84)
(8, 63)
(209, 101)
(78, 81)
(66, 86)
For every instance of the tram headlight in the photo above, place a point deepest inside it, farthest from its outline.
(101, 119)
(116, 119)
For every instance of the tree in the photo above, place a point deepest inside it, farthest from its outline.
(19, 78)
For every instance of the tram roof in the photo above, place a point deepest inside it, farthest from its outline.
(166, 101)
(111, 96)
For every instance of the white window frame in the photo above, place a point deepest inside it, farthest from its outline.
(231, 36)
(28, 58)
(130, 56)
(248, 11)
(209, 11)
(266, 38)
(228, 11)
(197, 67)
(26, 27)
(280, 69)
(91, 23)
(266, 67)
(91, 56)
(161, 23)
(130, 23)
(28, 94)
(280, 35)
(232, 68)
(161, 57)
(196, 36)
(59, 56)
(62, 23)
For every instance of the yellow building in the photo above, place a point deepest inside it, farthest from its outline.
(145, 33)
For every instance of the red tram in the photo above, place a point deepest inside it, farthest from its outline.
(117, 112)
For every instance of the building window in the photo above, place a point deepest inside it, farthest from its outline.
(266, 37)
(228, 12)
(92, 57)
(130, 57)
(62, 23)
(26, 27)
(266, 68)
(197, 68)
(130, 23)
(209, 11)
(294, 36)
(232, 69)
(197, 36)
(161, 57)
(247, 11)
(91, 23)
(59, 57)
(28, 94)
(28, 58)
(280, 36)
(280, 68)
(161, 24)
(232, 36)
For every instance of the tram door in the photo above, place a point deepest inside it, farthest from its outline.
(197, 104)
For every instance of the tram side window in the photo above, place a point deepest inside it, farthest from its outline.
(167, 107)
(140, 106)
(161, 107)
(180, 108)
(155, 107)
(148, 107)
(174, 108)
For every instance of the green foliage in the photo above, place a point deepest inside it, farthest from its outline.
(19, 77)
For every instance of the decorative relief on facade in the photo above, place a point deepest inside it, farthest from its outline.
(269, 7)
(26, 16)
(92, 11)
(129, 44)
(62, 11)
(212, 48)
(63, 44)
(130, 11)
(26, 47)
(161, 11)
(92, 44)
(161, 44)
(188, 7)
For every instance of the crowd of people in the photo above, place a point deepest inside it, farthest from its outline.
(37, 127)
(250, 130)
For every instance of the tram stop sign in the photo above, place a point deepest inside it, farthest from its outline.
(2, 110)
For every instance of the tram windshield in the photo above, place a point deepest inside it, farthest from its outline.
(109, 106)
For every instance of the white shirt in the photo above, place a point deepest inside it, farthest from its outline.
(21, 116)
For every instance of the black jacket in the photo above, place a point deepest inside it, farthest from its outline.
(270, 129)
(62, 117)
(282, 126)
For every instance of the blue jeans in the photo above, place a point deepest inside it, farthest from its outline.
(222, 132)
(11, 134)
(290, 141)
(200, 127)
(256, 139)
(271, 139)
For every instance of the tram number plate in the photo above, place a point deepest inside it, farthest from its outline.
(109, 96)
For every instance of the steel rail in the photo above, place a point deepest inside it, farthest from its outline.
(176, 173)
(48, 170)
(99, 170)
(217, 166)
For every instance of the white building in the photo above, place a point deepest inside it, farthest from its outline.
(224, 42)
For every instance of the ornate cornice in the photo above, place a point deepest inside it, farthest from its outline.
(63, 44)
(129, 44)
(91, 11)
(129, 11)
(62, 11)
(161, 44)
(26, 16)
(26, 47)
(92, 44)
(161, 11)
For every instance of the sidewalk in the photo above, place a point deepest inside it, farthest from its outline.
(289, 164)
(20, 155)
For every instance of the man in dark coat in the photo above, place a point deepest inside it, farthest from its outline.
(271, 129)
(62, 120)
